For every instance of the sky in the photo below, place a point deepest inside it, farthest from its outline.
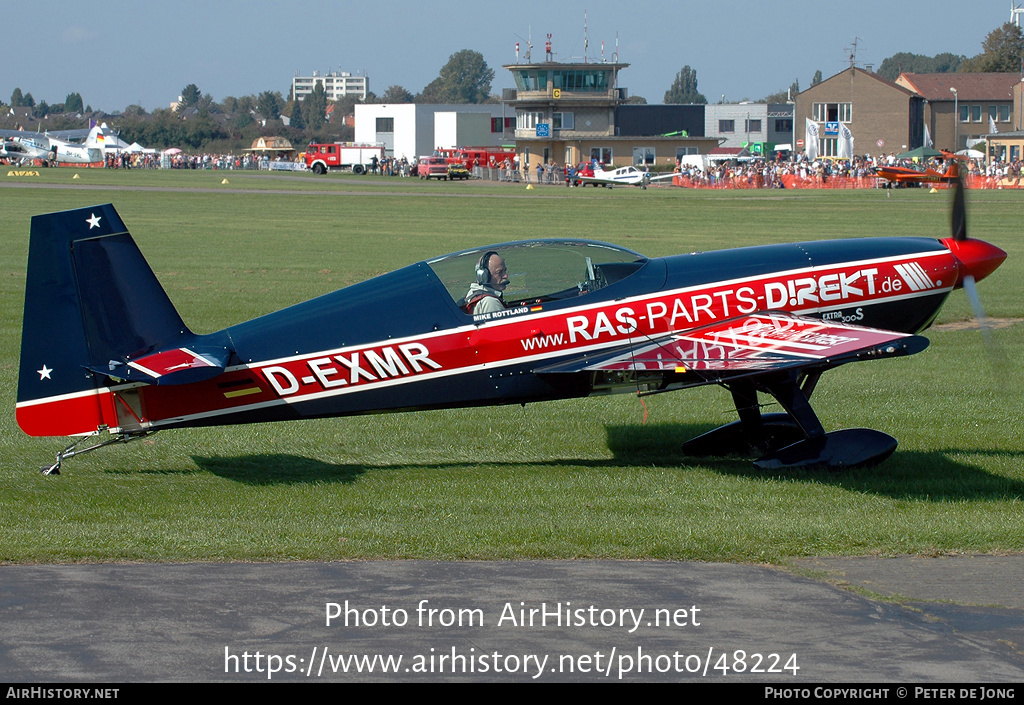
(144, 53)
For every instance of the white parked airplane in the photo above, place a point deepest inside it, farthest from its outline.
(34, 145)
(25, 147)
(91, 152)
(624, 176)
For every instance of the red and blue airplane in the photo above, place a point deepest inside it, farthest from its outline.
(106, 358)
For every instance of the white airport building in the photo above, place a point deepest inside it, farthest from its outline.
(415, 130)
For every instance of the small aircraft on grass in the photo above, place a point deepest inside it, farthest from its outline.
(92, 151)
(905, 176)
(623, 176)
(53, 150)
(26, 148)
(105, 352)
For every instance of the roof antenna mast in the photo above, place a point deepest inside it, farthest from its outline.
(586, 37)
(853, 52)
(529, 45)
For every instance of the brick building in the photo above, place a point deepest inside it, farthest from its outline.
(882, 115)
(962, 107)
(950, 109)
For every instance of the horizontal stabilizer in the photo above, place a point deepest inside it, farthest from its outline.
(181, 365)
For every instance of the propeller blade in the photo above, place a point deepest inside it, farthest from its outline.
(979, 260)
(995, 353)
(958, 224)
(971, 291)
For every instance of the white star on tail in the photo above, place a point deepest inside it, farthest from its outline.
(93, 221)
(44, 373)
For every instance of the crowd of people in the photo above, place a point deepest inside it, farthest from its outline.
(141, 160)
(795, 171)
(769, 173)
(857, 172)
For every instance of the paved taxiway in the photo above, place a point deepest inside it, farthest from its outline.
(957, 620)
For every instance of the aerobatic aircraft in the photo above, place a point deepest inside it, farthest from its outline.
(904, 176)
(106, 358)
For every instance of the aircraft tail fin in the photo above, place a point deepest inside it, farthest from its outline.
(96, 138)
(92, 304)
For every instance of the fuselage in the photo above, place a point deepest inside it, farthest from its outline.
(626, 175)
(401, 342)
(909, 176)
(75, 154)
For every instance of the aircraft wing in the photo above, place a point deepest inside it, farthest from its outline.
(9, 134)
(746, 346)
(664, 177)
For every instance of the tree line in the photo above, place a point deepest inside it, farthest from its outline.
(199, 122)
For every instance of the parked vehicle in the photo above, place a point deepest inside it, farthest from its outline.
(433, 168)
(457, 171)
(338, 156)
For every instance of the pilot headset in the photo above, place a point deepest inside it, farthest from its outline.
(483, 274)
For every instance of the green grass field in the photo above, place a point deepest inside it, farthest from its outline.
(585, 478)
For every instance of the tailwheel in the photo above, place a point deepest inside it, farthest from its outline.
(72, 450)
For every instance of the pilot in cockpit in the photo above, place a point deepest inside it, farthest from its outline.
(485, 294)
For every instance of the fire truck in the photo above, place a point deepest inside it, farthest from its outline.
(478, 156)
(336, 156)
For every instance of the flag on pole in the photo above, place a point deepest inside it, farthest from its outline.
(811, 139)
(992, 125)
(928, 138)
(845, 142)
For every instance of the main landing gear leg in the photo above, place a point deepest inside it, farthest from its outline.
(795, 439)
(753, 435)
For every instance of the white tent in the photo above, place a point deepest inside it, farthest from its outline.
(137, 148)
